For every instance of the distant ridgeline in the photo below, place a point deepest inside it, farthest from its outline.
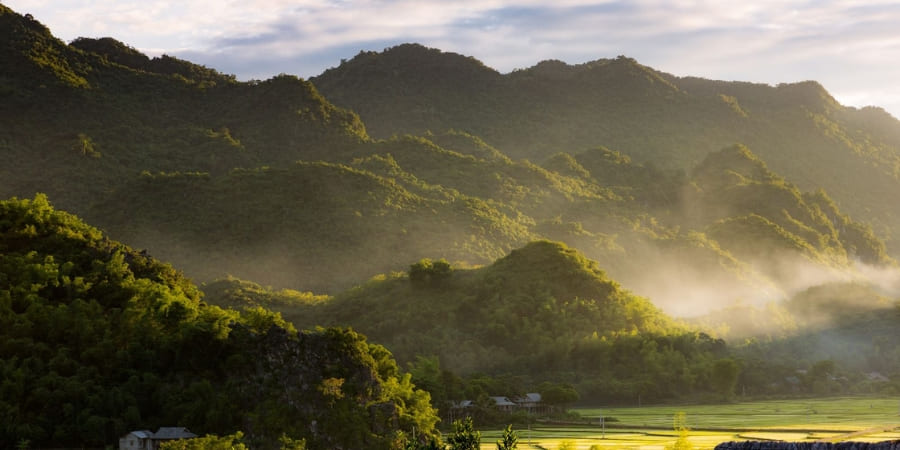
(654, 117)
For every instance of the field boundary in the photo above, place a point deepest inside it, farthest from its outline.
(854, 434)
(621, 425)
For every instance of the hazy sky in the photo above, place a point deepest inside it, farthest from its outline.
(851, 47)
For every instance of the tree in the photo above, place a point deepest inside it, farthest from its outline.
(679, 424)
(465, 436)
(509, 441)
(211, 442)
(724, 376)
(430, 273)
(558, 395)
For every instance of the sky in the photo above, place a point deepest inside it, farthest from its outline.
(851, 47)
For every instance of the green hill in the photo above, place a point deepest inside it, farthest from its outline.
(99, 340)
(543, 312)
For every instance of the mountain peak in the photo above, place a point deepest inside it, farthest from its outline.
(808, 93)
(731, 165)
(114, 50)
(415, 60)
(555, 265)
(32, 56)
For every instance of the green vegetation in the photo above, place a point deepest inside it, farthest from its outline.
(544, 312)
(464, 436)
(223, 178)
(509, 440)
(652, 117)
(865, 419)
(99, 339)
(488, 274)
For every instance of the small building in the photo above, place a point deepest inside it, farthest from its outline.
(877, 377)
(504, 404)
(171, 434)
(136, 440)
(146, 440)
(531, 402)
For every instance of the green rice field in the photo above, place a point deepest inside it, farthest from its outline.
(868, 419)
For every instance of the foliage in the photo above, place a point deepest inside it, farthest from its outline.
(509, 440)
(464, 436)
(724, 376)
(799, 129)
(210, 442)
(99, 339)
(680, 426)
(430, 273)
(543, 312)
(558, 395)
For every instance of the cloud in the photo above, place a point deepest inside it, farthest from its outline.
(849, 46)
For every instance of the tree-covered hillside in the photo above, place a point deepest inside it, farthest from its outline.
(75, 124)
(317, 226)
(97, 340)
(544, 315)
(673, 122)
(269, 181)
(543, 312)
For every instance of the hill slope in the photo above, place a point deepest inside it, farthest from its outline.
(543, 312)
(98, 340)
(82, 122)
(318, 226)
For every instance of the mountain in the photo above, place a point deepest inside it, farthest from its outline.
(83, 122)
(99, 339)
(651, 116)
(270, 181)
(318, 226)
(543, 312)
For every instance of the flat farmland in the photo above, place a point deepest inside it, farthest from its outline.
(868, 419)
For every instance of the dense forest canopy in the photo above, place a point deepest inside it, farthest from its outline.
(99, 340)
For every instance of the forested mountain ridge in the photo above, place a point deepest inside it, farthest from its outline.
(673, 122)
(269, 181)
(81, 122)
(97, 339)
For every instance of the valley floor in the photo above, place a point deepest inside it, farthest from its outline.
(864, 419)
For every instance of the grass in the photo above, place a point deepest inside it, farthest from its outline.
(864, 419)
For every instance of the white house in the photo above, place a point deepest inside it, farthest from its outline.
(504, 403)
(146, 440)
(136, 440)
